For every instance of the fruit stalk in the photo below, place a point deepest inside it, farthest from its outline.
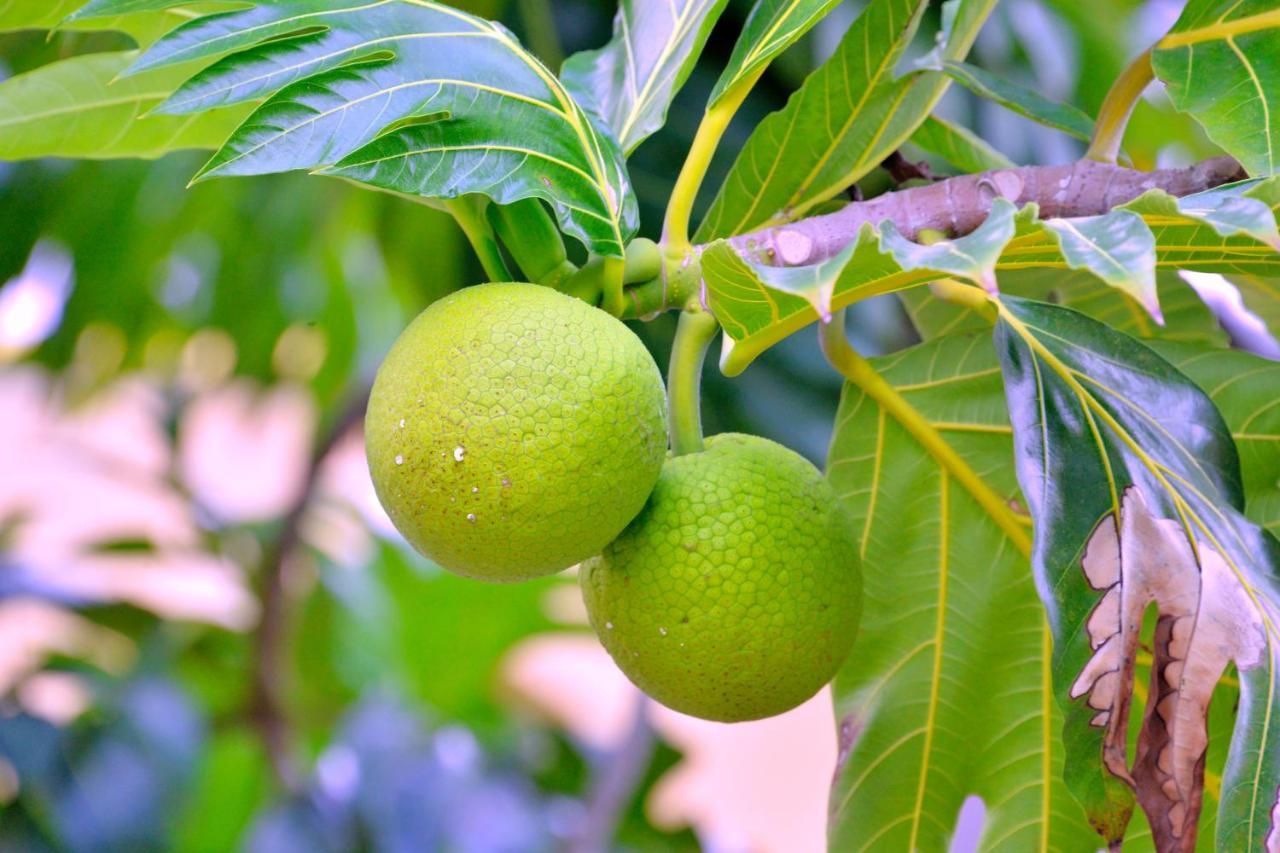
(534, 241)
(684, 378)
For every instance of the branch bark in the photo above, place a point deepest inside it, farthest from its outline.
(957, 206)
(270, 641)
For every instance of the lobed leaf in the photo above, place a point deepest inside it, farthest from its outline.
(414, 81)
(631, 81)
(1221, 64)
(949, 694)
(1133, 480)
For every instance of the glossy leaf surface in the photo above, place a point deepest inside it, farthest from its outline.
(1134, 483)
(631, 81)
(771, 27)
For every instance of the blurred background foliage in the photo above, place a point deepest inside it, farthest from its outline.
(180, 375)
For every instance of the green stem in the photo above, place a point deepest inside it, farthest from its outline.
(534, 241)
(859, 372)
(467, 212)
(614, 281)
(675, 232)
(1113, 117)
(694, 334)
(540, 28)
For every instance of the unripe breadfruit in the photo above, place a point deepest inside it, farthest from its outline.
(736, 592)
(513, 431)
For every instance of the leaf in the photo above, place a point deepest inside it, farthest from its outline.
(772, 27)
(949, 694)
(843, 122)
(824, 126)
(1134, 483)
(1221, 64)
(1242, 386)
(1024, 101)
(144, 27)
(72, 108)
(1186, 318)
(454, 103)
(959, 146)
(631, 81)
(1118, 247)
(755, 316)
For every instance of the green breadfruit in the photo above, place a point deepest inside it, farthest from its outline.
(736, 592)
(514, 431)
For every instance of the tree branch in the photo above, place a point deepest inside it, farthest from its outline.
(954, 206)
(266, 704)
(615, 783)
(957, 206)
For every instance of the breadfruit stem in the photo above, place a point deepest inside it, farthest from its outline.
(675, 232)
(534, 241)
(696, 330)
(468, 213)
(1113, 117)
(860, 373)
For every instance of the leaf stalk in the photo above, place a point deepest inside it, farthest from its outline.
(675, 231)
(467, 212)
(696, 330)
(1117, 109)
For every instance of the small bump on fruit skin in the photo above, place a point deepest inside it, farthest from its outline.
(736, 592)
(513, 431)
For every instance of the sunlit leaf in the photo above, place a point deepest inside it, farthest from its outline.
(772, 27)
(1118, 247)
(631, 81)
(1221, 63)
(454, 102)
(850, 115)
(1134, 483)
(949, 693)
(72, 108)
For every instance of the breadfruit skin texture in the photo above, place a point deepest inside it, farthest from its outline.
(736, 592)
(513, 431)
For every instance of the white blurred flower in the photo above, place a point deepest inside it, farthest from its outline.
(31, 304)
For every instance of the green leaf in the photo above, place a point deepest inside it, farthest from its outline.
(1134, 483)
(1242, 386)
(959, 146)
(1221, 64)
(631, 81)
(949, 693)
(844, 121)
(1118, 247)
(144, 26)
(407, 95)
(1189, 235)
(1021, 100)
(1186, 318)
(772, 27)
(72, 108)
